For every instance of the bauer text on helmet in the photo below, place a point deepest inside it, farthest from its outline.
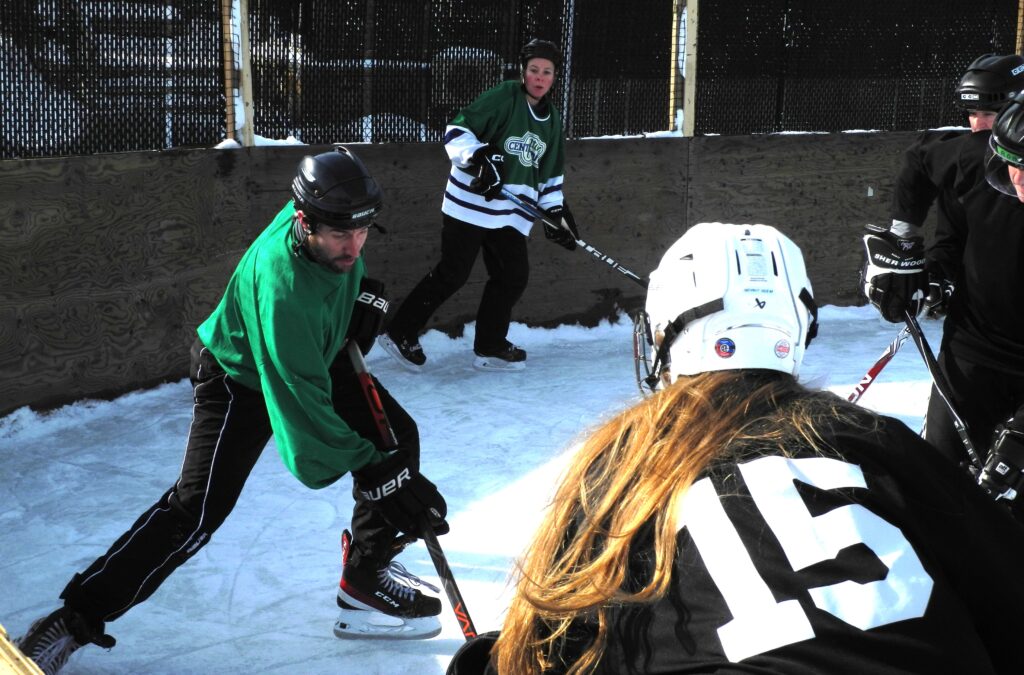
(335, 189)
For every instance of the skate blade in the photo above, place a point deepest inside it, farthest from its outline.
(494, 364)
(389, 346)
(363, 624)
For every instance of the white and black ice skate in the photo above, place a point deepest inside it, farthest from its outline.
(508, 357)
(383, 604)
(51, 641)
(407, 351)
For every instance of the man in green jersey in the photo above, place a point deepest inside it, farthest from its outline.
(510, 136)
(269, 361)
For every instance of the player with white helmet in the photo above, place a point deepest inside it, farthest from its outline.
(735, 521)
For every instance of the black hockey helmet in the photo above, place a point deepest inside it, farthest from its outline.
(990, 81)
(335, 189)
(540, 49)
(1006, 145)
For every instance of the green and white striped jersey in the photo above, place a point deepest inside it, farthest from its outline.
(534, 151)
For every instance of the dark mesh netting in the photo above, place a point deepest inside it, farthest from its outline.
(81, 77)
(86, 77)
(365, 70)
(807, 65)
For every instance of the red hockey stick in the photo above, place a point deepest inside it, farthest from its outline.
(444, 572)
(882, 361)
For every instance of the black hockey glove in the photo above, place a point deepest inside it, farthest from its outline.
(401, 494)
(489, 163)
(1003, 475)
(368, 314)
(474, 655)
(940, 289)
(566, 235)
(893, 276)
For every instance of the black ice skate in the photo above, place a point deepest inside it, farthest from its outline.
(382, 603)
(50, 641)
(507, 357)
(407, 351)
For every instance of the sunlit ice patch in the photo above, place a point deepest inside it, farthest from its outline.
(725, 347)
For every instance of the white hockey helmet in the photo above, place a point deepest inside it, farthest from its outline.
(728, 297)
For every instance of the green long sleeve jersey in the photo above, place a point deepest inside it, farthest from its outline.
(278, 327)
(534, 150)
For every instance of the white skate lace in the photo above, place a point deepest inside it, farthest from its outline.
(52, 648)
(401, 582)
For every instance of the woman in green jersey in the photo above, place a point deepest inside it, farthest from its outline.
(509, 138)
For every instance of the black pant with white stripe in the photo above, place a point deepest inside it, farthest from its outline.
(230, 427)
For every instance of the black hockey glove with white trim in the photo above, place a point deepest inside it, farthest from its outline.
(940, 290)
(893, 276)
(1003, 475)
(368, 314)
(566, 235)
(489, 163)
(401, 494)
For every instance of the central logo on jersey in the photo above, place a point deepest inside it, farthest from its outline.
(528, 148)
(725, 347)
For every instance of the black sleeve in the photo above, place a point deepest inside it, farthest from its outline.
(946, 250)
(927, 165)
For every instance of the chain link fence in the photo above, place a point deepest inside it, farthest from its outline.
(83, 77)
(376, 71)
(805, 65)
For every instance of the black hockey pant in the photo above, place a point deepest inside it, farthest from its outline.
(508, 270)
(229, 430)
(983, 398)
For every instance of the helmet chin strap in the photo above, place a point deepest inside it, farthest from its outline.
(672, 331)
(300, 233)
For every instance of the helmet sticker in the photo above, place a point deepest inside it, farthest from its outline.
(782, 349)
(725, 348)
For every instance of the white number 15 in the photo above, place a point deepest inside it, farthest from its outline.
(760, 623)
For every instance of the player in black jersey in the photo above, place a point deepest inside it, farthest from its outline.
(976, 251)
(737, 522)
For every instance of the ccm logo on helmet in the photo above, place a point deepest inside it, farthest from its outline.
(1018, 70)
(392, 486)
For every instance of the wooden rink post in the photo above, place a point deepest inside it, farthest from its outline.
(1020, 26)
(12, 660)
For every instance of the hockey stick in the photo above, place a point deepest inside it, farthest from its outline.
(941, 386)
(444, 572)
(537, 212)
(882, 361)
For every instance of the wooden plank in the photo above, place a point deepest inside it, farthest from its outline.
(111, 261)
